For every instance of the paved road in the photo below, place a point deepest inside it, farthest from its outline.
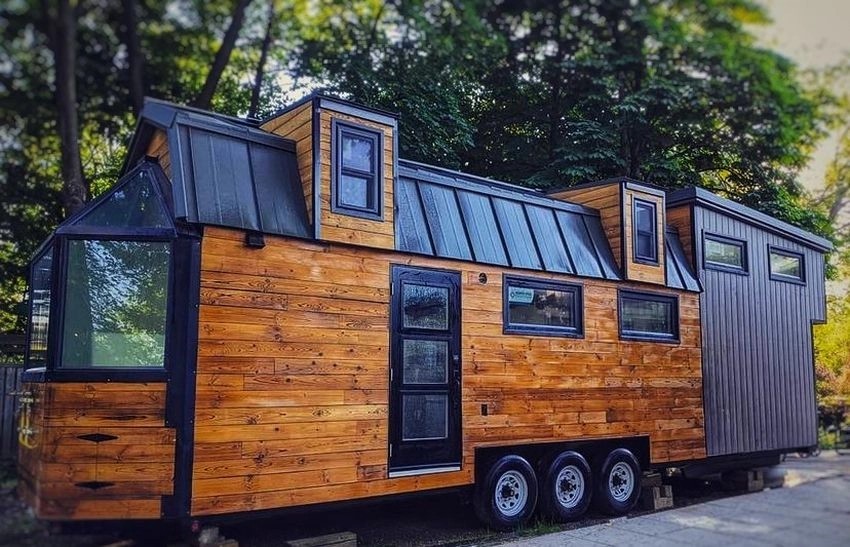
(812, 510)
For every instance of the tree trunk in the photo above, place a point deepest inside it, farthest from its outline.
(222, 56)
(261, 64)
(135, 60)
(62, 37)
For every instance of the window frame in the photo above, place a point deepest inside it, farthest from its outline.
(338, 129)
(648, 296)
(726, 240)
(544, 284)
(773, 249)
(61, 283)
(49, 247)
(641, 259)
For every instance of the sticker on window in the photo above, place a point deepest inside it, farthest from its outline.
(520, 295)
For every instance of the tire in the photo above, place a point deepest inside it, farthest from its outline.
(507, 496)
(567, 487)
(617, 483)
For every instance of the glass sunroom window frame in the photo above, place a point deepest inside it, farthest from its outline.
(73, 229)
(49, 246)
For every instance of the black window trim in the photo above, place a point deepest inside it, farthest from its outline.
(545, 284)
(338, 128)
(774, 249)
(49, 247)
(653, 260)
(649, 296)
(745, 258)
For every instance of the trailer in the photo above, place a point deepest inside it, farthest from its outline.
(263, 315)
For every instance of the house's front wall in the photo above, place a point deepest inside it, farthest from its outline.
(293, 375)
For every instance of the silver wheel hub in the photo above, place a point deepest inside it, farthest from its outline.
(621, 481)
(569, 486)
(511, 493)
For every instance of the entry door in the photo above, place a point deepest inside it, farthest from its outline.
(425, 380)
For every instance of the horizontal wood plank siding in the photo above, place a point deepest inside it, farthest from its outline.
(681, 218)
(640, 271)
(137, 464)
(292, 385)
(158, 148)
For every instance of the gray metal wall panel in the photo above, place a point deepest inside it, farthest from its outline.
(518, 238)
(483, 231)
(758, 370)
(579, 244)
(444, 220)
(549, 241)
(410, 228)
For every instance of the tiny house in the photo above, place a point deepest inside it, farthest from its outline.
(267, 315)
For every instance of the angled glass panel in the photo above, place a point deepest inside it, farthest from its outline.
(39, 320)
(132, 204)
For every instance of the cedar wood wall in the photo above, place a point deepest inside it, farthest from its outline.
(138, 463)
(292, 384)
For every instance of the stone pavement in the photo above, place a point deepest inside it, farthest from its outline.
(812, 510)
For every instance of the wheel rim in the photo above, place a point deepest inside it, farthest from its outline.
(621, 481)
(511, 494)
(569, 486)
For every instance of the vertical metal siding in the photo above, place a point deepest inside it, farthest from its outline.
(758, 374)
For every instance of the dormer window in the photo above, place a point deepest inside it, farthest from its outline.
(356, 175)
(645, 232)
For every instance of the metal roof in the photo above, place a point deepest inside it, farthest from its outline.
(678, 270)
(225, 171)
(750, 216)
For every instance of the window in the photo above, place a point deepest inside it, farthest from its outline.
(786, 265)
(724, 253)
(358, 154)
(542, 307)
(645, 232)
(39, 321)
(115, 304)
(648, 316)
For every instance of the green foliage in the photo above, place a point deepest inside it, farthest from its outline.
(832, 350)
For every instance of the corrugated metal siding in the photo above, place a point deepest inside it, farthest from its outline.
(758, 369)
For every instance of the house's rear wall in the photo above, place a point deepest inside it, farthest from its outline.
(292, 384)
(758, 370)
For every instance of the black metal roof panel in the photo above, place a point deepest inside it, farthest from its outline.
(679, 273)
(486, 221)
(747, 215)
(227, 172)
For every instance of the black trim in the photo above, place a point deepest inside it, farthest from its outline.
(647, 296)
(375, 184)
(651, 259)
(342, 106)
(744, 269)
(576, 289)
(316, 156)
(774, 276)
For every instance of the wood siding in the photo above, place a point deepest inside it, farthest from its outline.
(297, 125)
(641, 271)
(349, 229)
(681, 218)
(158, 148)
(134, 469)
(292, 384)
(606, 200)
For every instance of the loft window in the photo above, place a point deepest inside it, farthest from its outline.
(725, 253)
(648, 316)
(645, 232)
(786, 265)
(533, 306)
(357, 177)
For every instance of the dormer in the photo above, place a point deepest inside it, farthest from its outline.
(346, 159)
(633, 217)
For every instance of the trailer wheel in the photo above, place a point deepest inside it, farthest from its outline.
(567, 488)
(618, 483)
(508, 494)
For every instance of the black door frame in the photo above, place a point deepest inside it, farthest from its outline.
(410, 457)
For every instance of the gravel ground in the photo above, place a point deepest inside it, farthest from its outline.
(435, 520)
